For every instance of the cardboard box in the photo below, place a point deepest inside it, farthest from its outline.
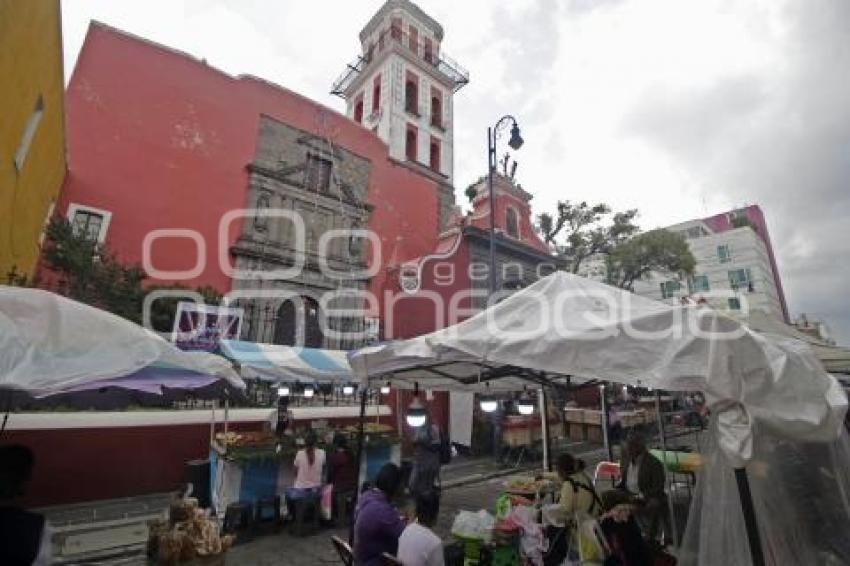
(574, 415)
(592, 416)
(577, 431)
(594, 433)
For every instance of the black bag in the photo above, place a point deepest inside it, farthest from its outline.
(445, 451)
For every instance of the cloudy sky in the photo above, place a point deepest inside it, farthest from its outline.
(678, 108)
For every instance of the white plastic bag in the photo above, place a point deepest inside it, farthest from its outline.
(474, 525)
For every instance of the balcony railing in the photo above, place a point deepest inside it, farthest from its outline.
(440, 61)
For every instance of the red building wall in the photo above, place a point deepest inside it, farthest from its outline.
(161, 140)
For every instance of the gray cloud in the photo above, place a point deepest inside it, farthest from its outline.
(780, 138)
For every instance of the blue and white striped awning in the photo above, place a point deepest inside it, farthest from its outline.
(288, 363)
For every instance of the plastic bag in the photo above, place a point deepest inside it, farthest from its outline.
(474, 525)
(326, 509)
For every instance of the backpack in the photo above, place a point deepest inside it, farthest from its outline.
(579, 485)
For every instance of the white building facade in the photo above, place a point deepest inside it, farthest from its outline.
(402, 84)
(733, 273)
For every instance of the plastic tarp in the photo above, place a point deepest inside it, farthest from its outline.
(801, 497)
(568, 325)
(272, 362)
(835, 359)
(50, 344)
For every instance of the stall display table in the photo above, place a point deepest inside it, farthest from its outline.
(586, 424)
(525, 431)
(261, 471)
(679, 462)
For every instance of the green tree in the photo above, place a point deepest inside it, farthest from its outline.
(88, 272)
(659, 251)
(585, 230)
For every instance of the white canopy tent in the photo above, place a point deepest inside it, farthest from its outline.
(569, 325)
(49, 344)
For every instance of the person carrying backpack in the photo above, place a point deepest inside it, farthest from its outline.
(577, 492)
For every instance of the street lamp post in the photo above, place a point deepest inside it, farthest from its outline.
(515, 143)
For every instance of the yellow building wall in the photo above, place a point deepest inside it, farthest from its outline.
(30, 66)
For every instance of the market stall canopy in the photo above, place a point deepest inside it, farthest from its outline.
(271, 362)
(569, 325)
(51, 344)
(835, 359)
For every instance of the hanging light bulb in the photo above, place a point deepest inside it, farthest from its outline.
(309, 391)
(348, 389)
(416, 414)
(488, 404)
(385, 389)
(283, 391)
(525, 404)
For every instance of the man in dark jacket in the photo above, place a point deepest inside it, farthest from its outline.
(642, 483)
(377, 524)
(24, 536)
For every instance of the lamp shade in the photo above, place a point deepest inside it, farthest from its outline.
(525, 405)
(283, 391)
(416, 414)
(488, 404)
(516, 140)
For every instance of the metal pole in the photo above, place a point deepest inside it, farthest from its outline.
(544, 423)
(606, 441)
(749, 516)
(491, 152)
(364, 394)
(663, 440)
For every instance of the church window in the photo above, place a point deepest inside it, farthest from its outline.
(317, 175)
(410, 143)
(511, 223)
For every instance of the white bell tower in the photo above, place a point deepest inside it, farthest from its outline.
(401, 86)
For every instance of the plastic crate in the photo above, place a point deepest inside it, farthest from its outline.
(471, 550)
(505, 556)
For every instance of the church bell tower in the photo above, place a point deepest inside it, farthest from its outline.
(401, 86)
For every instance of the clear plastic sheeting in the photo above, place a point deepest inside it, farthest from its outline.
(565, 324)
(50, 344)
(801, 497)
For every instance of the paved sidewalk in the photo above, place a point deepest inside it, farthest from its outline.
(115, 532)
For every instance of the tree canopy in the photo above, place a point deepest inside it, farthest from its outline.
(87, 271)
(585, 230)
(658, 250)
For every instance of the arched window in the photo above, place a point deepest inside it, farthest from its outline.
(298, 323)
(512, 223)
(436, 112)
(358, 110)
(411, 104)
(410, 150)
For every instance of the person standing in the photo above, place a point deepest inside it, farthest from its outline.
(377, 524)
(425, 475)
(309, 464)
(418, 545)
(642, 484)
(24, 535)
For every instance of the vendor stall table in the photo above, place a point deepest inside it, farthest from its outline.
(248, 474)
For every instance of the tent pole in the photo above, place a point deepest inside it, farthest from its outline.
(663, 441)
(544, 422)
(749, 516)
(606, 441)
(364, 395)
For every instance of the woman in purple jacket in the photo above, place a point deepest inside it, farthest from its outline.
(377, 524)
